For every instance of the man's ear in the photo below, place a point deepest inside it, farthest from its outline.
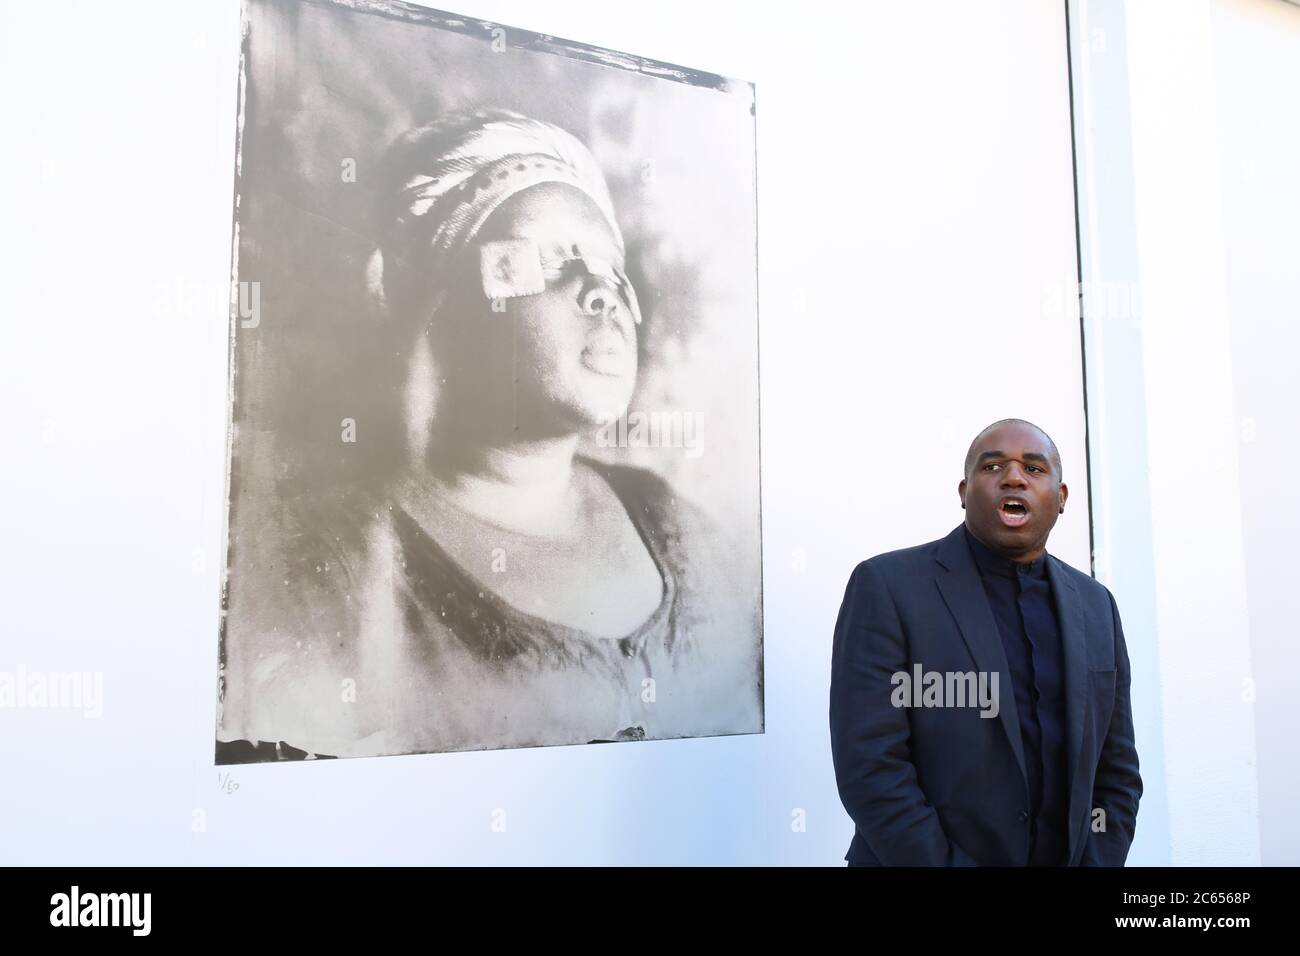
(1064, 493)
(961, 491)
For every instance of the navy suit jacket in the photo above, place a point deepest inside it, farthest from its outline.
(943, 786)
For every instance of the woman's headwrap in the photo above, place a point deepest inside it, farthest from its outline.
(449, 177)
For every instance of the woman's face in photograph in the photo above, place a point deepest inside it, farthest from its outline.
(575, 345)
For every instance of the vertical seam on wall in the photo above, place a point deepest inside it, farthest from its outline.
(1078, 287)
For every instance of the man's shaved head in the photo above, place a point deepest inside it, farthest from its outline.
(1053, 454)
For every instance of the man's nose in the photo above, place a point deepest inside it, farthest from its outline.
(1013, 476)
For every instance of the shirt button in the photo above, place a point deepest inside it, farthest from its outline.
(1023, 816)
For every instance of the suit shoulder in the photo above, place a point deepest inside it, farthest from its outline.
(1089, 587)
(1080, 578)
(901, 561)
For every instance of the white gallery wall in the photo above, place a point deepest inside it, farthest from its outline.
(1257, 57)
(1189, 195)
(1200, 587)
(918, 267)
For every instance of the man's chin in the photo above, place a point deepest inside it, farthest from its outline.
(994, 532)
(1017, 541)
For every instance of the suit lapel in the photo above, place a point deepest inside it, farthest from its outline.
(963, 591)
(1069, 609)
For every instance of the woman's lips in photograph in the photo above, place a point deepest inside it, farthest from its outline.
(1013, 514)
(606, 354)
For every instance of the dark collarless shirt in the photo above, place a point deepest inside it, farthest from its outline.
(1025, 611)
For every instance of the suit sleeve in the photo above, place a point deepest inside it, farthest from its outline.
(870, 737)
(1117, 786)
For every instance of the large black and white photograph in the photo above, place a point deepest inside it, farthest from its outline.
(494, 402)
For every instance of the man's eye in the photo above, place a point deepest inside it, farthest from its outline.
(991, 465)
(1034, 468)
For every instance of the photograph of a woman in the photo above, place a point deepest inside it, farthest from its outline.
(451, 556)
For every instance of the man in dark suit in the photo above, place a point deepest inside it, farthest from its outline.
(979, 701)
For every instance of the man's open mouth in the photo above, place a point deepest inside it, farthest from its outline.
(1013, 512)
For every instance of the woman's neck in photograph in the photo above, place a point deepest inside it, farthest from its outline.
(522, 484)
